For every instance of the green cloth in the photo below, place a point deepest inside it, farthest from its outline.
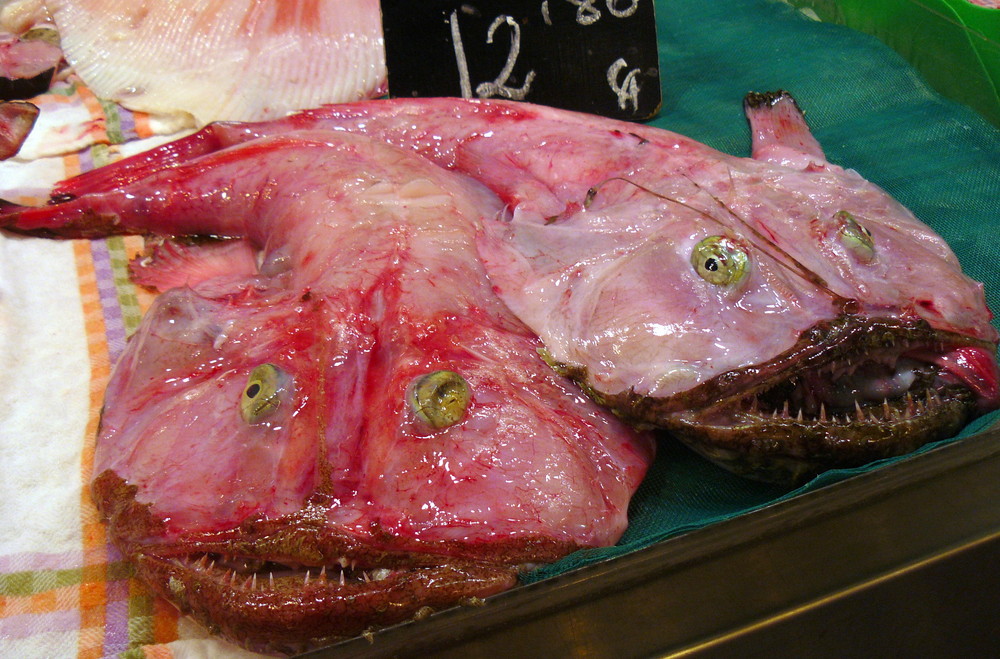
(953, 43)
(871, 112)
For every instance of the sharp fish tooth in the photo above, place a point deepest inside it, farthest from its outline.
(253, 583)
(322, 574)
(341, 577)
(799, 416)
(306, 581)
(858, 411)
(202, 562)
(822, 413)
(784, 411)
(270, 580)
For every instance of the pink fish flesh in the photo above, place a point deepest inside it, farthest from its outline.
(27, 64)
(330, 422)
(778, 313)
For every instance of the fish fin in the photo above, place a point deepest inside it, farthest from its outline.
(779, 131)
(65, 221)
(142, 165)
(170, 263)
(148, 200)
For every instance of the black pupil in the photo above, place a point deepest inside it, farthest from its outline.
(711, 265)
(253, 390)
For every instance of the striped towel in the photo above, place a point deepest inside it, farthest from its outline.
(66, 308)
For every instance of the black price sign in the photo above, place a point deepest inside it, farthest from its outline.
(596, 56)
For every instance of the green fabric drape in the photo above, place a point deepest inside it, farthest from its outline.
(872, 112)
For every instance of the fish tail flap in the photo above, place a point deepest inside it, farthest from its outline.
(143, 165)
(779, 132)
(70, 220)
(221, 135)
(208, 194)
(124, 212)
(172, 264)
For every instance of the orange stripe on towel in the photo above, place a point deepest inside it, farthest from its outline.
(93, 597)
(98, 127)
(143, 129)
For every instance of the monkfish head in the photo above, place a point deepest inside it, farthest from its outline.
(779, 314)
(286, 474)
(336, 425)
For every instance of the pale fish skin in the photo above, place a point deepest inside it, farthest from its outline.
(245, 60)
(351, 496)
(841, 329)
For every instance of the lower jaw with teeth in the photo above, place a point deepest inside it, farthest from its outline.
(784, 443)
(270, 607)
(253, 575)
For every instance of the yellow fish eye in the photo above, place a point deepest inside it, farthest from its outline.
(265, 387)
(720, 261)
(855, 237)
(441, 398)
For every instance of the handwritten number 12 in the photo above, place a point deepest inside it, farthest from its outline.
(498, 87)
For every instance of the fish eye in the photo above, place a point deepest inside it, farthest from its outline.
(720, 261)
(266, 386)
(441, 398)
(855, 237)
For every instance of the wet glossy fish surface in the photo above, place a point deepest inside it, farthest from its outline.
(366, 372)
(779, 313)
(329, 421)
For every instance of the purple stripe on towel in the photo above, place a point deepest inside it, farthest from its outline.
(33, 624)
(37, 561)
(116, 617)
(126, 122)
(113, 321)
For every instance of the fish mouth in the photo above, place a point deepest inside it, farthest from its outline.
(287, 607)
(851, 391)
(292, 583)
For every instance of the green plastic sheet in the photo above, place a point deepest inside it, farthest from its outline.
(871, 111)
(954, 44)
